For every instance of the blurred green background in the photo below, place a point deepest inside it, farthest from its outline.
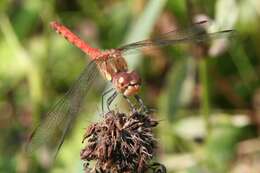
(208, 102)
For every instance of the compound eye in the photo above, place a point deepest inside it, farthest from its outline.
(135, 79)
(121, 80)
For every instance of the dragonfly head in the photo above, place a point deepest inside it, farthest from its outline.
(127, 83)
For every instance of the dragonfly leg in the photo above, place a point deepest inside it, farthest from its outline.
(103, 97)
(141, 102)
(110, 100)
(130, 104)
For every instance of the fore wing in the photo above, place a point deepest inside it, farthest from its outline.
(50, 134)
(193, 33)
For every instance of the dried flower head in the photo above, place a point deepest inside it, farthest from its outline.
(120, 143)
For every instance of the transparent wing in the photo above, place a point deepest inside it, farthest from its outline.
(49, 135)
(193, 33)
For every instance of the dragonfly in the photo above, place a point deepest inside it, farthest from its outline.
(50, 134)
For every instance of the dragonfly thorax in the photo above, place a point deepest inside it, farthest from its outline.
(110, 63)
(127, 83)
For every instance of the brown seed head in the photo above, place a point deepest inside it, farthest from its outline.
(120, 143)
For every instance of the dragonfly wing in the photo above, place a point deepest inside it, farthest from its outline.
(49, 135)
(193, 33)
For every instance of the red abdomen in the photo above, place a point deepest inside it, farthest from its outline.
(75, 40)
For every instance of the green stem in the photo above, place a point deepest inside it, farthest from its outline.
(205, 105)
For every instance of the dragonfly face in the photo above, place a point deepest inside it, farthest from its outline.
(127, 83)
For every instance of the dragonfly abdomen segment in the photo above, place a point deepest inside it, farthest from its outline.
(75, 40)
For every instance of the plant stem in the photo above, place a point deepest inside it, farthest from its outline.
(205, 105)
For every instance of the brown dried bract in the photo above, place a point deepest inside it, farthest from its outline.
(120, 143)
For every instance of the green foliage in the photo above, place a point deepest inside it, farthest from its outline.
(208, 103)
